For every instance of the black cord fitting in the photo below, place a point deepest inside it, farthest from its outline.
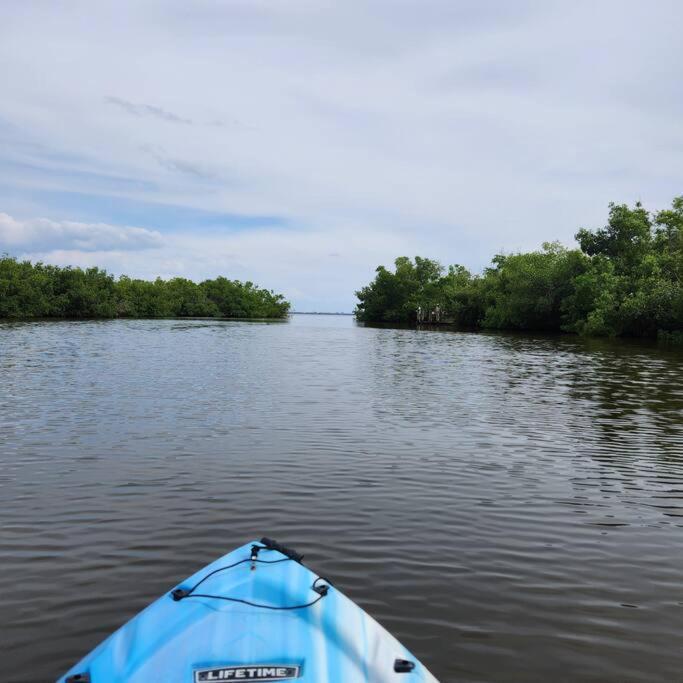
(403, 666)
(179, 594)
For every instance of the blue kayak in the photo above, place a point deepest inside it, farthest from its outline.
(256, 614)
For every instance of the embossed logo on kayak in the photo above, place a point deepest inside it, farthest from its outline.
(257, 672)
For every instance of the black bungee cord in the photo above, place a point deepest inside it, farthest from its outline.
(291, 556)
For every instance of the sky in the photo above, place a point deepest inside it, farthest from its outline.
(300, 144)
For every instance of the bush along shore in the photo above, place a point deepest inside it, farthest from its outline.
(37, 290)
(625, 279)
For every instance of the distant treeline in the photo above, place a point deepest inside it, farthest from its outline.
(625, 279)
(36, 290)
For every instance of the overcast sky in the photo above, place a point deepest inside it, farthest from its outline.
(300, 144)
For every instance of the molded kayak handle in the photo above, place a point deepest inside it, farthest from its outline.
(288, 552)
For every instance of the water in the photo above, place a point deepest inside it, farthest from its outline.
(510, 507)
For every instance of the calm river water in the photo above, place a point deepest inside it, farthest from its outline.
(510, 507)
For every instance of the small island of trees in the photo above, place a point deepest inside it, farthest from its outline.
(29, 290)
(626, 279)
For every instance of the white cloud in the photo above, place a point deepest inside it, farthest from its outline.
(46, 234)
(146, 110)
(449, 128)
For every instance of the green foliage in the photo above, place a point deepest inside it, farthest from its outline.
(626, 279)
(465, 297)
(395, 297)
(624, 240)
(41, 291)
(235, 299)
(526, 291)
(588, 308)
(668, 241)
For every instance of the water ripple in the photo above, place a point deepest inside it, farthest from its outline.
(510, 507)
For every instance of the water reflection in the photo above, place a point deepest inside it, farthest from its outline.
(509, 506)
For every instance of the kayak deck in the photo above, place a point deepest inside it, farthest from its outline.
(251, 615)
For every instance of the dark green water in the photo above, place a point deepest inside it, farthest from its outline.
(510, 507)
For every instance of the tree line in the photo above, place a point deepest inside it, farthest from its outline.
(625, 279)
(38, 290)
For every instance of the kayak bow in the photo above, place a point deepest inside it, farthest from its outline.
(256, 614)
